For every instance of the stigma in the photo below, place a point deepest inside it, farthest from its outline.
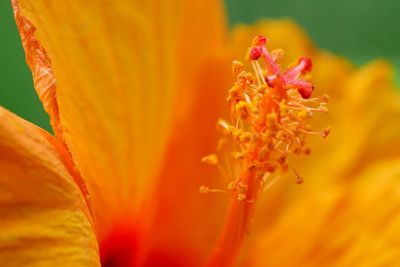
(270, 111)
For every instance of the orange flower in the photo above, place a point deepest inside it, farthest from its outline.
(133, 90)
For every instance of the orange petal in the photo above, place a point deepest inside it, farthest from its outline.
(123, 70)
(44, 217)
(186, 223)
(350, 224)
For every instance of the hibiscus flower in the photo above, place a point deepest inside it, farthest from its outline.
(133, 90)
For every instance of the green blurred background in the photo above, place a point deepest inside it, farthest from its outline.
(358, 29)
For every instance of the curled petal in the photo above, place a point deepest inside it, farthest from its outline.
(44, 217)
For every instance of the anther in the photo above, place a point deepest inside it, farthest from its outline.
(232, 186)
(237, 67)
(323, 108)
(299, 179)
(238, 156)
(241, 197)
(326, 132)
(243, 109)
(246, 137)
(204, 189)
(324, 98)
(224, 125)
(210, 159)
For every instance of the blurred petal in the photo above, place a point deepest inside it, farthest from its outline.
(352, 224)
(123, 70)
(44, 217)
(371, 108)
(364, 109)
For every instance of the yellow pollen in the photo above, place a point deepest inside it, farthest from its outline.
(269, 113)
(237, 67)
(210, 159)
(204, 189)
(241, 197)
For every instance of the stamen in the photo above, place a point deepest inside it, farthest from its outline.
(237, 67)
(269, 117)
(269, 113)
(204, 190)
(299, 180)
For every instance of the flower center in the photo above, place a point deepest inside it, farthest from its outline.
(269, 110)
(119, 248)
(124, 246)
(269, 113)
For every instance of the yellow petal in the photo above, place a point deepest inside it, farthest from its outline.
(123, 71)
(350, 224)
(44, 217)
